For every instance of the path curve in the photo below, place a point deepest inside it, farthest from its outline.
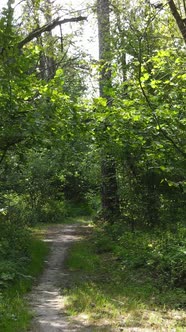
(45, 299)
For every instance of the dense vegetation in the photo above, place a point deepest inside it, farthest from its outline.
(118, 154)
(124, 284)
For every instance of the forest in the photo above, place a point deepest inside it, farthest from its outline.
(94, 128)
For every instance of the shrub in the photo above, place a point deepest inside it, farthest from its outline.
(14, 246)
(162, 254)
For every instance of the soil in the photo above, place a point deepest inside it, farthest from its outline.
(46, 299)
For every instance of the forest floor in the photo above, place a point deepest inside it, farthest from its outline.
(49, 298)
(46, 300)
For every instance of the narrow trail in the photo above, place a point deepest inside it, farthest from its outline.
(45, 299)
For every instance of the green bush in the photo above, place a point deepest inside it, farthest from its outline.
(14, 250)
(162, 254)
(52, 211)
(15, 314)
(168, 257)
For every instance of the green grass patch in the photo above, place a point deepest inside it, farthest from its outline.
(107, 290)
(15, 315)
(82, 258)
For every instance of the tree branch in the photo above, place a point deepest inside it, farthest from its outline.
(178, 18)
(48, 27)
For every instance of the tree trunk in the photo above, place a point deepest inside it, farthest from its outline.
(109, 193)
(181, 23)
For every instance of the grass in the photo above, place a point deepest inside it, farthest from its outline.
(103, 293)
(40, 228)
(15, 315)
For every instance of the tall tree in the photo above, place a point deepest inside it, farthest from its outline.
(109, 194)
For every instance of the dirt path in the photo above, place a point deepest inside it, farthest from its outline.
(45, 299)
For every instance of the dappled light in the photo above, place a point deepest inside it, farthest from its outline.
(46, 298)
(124, 298)
(92, 165)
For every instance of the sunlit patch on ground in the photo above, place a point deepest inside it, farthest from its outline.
(99, 297)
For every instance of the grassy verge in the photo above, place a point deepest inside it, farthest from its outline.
(103, 291)
(14, 312)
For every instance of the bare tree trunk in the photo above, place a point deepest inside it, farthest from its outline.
(109, 193)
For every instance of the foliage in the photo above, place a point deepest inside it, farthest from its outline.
(14, 312)
(159, 250)
(55, 137)
(116, 286)
(14, 244)
(163, 254)
(52, 140)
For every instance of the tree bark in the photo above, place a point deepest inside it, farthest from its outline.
(109, 193)
(180, 22)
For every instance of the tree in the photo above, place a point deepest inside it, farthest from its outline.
(178, 10)
(146, 112)
(109, 193)
(34, 111)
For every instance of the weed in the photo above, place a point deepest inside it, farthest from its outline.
(102, 287)
(14, 312)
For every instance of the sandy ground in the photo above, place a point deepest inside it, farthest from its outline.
(46, 300)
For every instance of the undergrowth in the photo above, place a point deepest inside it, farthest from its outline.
(17, 277)
(135, 280)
